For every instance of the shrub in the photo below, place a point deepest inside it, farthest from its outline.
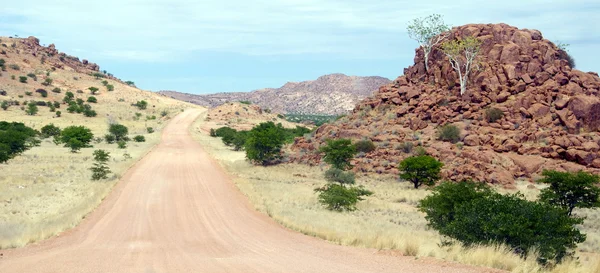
(570, 190)
(121, 144)
(420, 170)
(213, 132)
(406, 147)
(139, 138)
(23, 79)
(338, 153)
(42, 92)
(14, 67)
(50, 130)
(104, 82)
(32, 109)
(98, 75)
(493, 114)
(88, 112)
(245, 102)
(164, 113)
(42, 103)
(33, 76)
(264, 143)
(47, 82)
(141, 104)
(100, 169)
(110, 87)
(338, 176)
(69, 96)
(130, 83)
(56, 90)
(118, 131)
(58, 113)
(92, 99)
(449, 133)
(150, 130)
(364, 146)
(4, 105)
(3, 92)
(15, 138)
(239, 140)
(109, 138)
(93, 90)
(339, 198)
(76, 137)
(563, 54)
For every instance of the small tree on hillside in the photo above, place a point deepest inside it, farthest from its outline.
(100, 169)
(264, 143)
(50, 130)
(462, 55)
(93, 90)
(119, 131)
(338, 153)
(420, 170)
(570, 190)
(32, 109)
(428, 32)
(76, 137)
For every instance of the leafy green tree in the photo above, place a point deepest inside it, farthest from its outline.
(47, 81)
(130, 83)
(420, 170)
(42, 92)
(76, 137)
(100, 168)
(23, 79)
(32, 109)
(428, 32)
(338, 153)
(68, 97)
(141, 104)
(338, 176)
(15, 138)
(93, 90)
(119, 131)
(462, 55)
(58, 113)
(239, 140)
(110, 87)
(121, 144)
(92, 99)
(139, 138)
(339, 198)
(150, 130)
(109, 138)
(98, 75)
(50, 130)
(570, 190)
(264, 143)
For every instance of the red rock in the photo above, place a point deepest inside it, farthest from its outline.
(510, 53)
(541, 78)
(561, 102)
(526, 78)
(591, 146)
(538, 110)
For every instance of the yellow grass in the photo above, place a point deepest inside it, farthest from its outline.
(388, 220)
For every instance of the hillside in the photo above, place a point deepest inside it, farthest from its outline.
(242, 116)
(550, 112)
(48, 189)
(330, 94)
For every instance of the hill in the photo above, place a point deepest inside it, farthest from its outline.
(330, 94)
(48, 189)
(548, 114)
(241, 116)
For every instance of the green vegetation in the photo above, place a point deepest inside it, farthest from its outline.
(570, 190)
(100, 169)
(364, 146)
(32, 109)
(335, 175)
(4, 105)
(139, 138)
(338, 153)
(449, 133)
(150, 130)
(420, 170)
(14, 67)
(93, 90)
(428, 32)
(76, 137)
(130, 83)
(493, 114)
(141, 104)
(42, 92)
(121, 144)
(318, 120)
(245, 102)
(69, 96)
(50, 130)
(340, 198)
(56, 90)
(23, 79)
(15, 138)
(32, 76)
(110, 139)
(264, 143)
(110, 87)
(92, 99)
(98, 75)
(462, 55)
(119, 131)
(47, 82)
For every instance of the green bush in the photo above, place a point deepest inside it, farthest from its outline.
(570, 190)
(33, 76)
(50, 130)
(109, 138)
(93, 90)
(100, 169)
(239, 140)
(76, 137)
(139, 138)
(69, 96)
(56, 90)
(141, 104)
(119, 131)
(32, 109)
(58, 113)
(493, 114)
(420, 170)
(47, 82)
(449, 133)
(338, 153)
(150, 130)
(339, 198)
(213, 132)
(245, 102)
(473, 214)
(92, 99)
(42, 92)
(364, 146)
(121, 144)
(23, 79)
(338, 176)
(15, 138)
(264, 143)
(110, 87)
(4, 105)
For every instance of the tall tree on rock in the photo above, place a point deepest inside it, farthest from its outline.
(462, 55)
(428, 32)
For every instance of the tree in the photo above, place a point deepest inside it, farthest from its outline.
(69, 96)
(239, 140)
(76, 137)
(339, 198)
(334, 175)
(93, 90)
(462, 55)
(141, 104)
(130, 83)
(98, 75)
(100, 169)
(264, 143)
(32, 109)
(42, 92)
(139, 138)
(15, 138)
(47, 82)
(570, 190)
(110, 87)
(92, 99)
(420, 170)
(50, 130)
(119, 131)
(23, 79)
(428, 32)
(338, 153)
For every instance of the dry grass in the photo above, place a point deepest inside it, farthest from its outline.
(388, 220)
(48, 189)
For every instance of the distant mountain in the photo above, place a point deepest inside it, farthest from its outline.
(330, 94)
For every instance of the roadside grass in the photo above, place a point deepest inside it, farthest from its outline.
(388, 220)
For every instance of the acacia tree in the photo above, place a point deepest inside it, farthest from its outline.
(428, 32)
(570, 190)
(462, 55)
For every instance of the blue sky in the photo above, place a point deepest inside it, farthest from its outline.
(241, 45)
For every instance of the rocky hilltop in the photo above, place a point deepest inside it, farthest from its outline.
(330, 94)
(551, 112)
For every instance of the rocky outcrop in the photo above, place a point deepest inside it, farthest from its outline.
(330, 95)
(551, 112)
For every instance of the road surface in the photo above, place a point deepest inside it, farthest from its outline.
(177, 210)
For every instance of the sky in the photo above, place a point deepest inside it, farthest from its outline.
(241, 45)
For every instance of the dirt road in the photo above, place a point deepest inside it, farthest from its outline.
(177, 211)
